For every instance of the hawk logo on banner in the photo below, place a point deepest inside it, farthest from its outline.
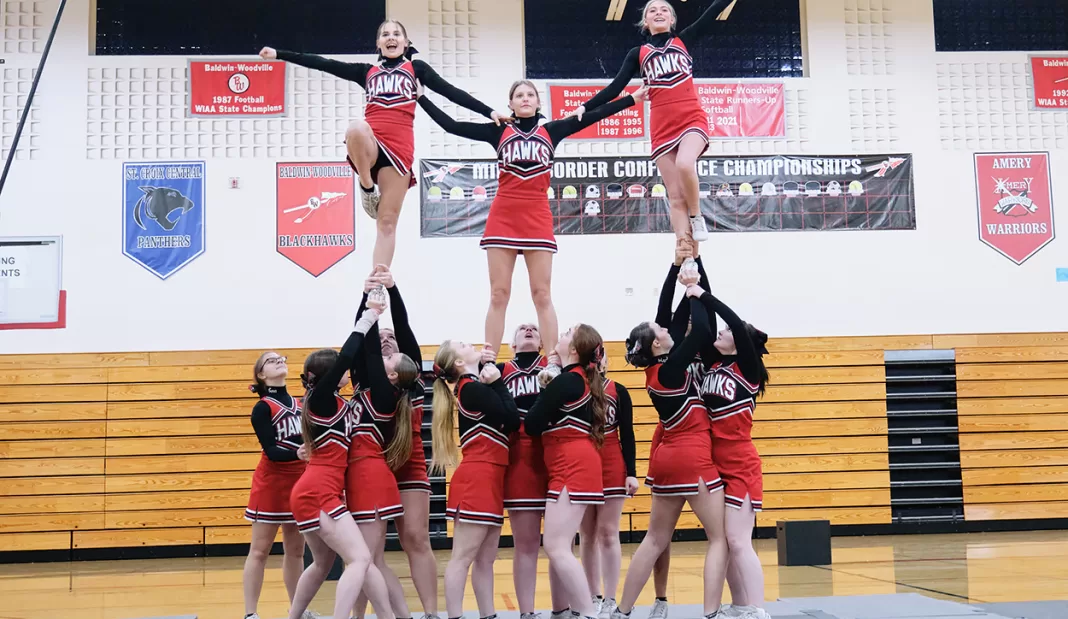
(1015, 203)
(315, 218)
(163, 214)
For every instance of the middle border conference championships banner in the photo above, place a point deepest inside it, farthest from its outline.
(625, 195)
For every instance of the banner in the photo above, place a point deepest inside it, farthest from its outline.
(1049, 74)
(315, 214)
(227, 88)
(31, 283)
(1015, 202)
(613, 195)
(163, 214)
(744, 109)
(629, 124)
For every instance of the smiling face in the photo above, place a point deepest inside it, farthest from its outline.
(392, 39)
(658, 16)
(524, 100)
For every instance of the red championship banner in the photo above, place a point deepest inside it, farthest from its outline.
(627, 125)
(1015, 203)
(316, 222)
(231, 88)
(1049, 74)
(744, 109)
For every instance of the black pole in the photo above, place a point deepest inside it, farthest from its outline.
(29, 98)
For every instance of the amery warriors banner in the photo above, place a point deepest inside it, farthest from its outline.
(612, 195)
(1015, 203)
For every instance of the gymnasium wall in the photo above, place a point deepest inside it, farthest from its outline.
(874, 85)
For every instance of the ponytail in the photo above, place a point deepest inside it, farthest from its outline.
(399, 448)
(317, 364)
(443, 423)
(589, 346)
(259, 386)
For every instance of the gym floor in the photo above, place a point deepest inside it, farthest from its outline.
(967, 568)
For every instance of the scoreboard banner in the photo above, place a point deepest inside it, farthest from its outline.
(626, 195)
(224, 88)
(1049, 76)
(630, 124)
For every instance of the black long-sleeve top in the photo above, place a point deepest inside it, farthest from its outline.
(676, 323)
(488, 414)
(523, 385)
(624, 421)
(673, 371)
(491, 134)
(357, 72)
(322, 401)
(277, 439)
(406, 341)
(567, 388)
(747, 358)
(632, 64)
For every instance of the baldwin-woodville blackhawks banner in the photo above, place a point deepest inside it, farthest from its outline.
(614, 195)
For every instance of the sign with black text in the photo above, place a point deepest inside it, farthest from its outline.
(626, 195)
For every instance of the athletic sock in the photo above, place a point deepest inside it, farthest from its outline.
(367, 189)
(659, 599)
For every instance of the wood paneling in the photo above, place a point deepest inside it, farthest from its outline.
(52, 449)
(35, 486)
(1014, 458)
(51, 466)
(21, 542)
(38, 412)
(1016, 511)
(1016, 475)
(139, 537)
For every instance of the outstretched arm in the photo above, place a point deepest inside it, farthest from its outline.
(406, 341)
(482, 132)
(700, 28)
(625, 415)
(430, 78)
(383, 395)
(351, 71)
(748, 360)
(667, 294)
(321, 400)
(673, 373)
(560, 129)
(626, 74)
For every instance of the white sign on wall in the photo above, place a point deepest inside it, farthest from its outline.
(31, 276)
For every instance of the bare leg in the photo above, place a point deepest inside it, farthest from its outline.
(482, 572)
(709, 510)
(293, 560)
(611, 551)
(660, 572)
(393, 187)
(526, 535)
(744, 561)
(363, 150)
(360, 572)
(678, 210)
(589, 549)
(501, 267)
(540, 270)
(374, 534)
(467, 540)
(663, 516)
(562, 519)
(686, 156)
(263, 535)
(314, 575)
(414, 529)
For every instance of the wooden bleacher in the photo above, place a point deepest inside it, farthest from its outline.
(116, 450)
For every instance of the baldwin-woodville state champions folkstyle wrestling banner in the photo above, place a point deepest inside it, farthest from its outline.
(614, 195)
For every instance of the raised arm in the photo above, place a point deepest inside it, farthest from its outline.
(560, 129)
(567, 387)
(402, 329)
(383, 395)
(667, 295)
(482, 132)
(358, 371)
(625, 416)
(673, 372)
(351, 71)
(626, 74)
(681, 319)
(430, 78)
(321, 400)
(694, 32)
(748, 361)
(261, 423)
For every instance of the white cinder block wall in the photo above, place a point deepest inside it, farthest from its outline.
(875, 84)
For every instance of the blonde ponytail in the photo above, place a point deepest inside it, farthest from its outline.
(443, 424)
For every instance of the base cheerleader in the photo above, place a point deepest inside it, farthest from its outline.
(276, 420)
(486, 414)
(328, 423)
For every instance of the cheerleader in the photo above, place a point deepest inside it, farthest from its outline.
(328, 423)
(677, 324)
(276, 420)
(526, 480)
(487, 415)
(735, 376)
(569, 415)
(601, 550)
(681, 468)
(403, 359)
(679, 125)
(381, 148)
(519, 219)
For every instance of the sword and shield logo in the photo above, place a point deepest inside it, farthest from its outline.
(315, 214)
(1015, 202)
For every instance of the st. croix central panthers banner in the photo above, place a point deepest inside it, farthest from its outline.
(614, 195)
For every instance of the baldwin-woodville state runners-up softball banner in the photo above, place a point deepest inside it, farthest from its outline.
(615, 195)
